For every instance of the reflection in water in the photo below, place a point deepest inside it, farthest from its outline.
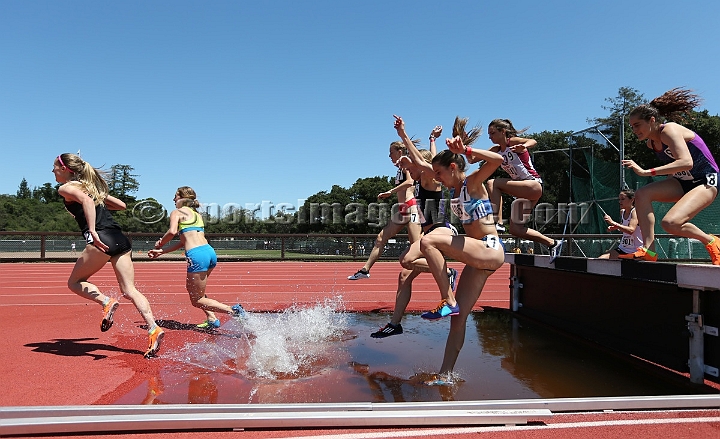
(319, 354)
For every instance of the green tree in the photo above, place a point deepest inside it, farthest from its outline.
(47, 193)
(122, 182)
(23, 191)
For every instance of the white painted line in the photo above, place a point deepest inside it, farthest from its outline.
(439, 432)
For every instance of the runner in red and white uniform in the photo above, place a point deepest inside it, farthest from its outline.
(524, 182)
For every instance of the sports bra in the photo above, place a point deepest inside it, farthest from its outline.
(469, 209)
(196, 224)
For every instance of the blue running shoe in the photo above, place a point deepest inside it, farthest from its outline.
(207, 325)
(439, 381)
(452, 277)
(442, 310)
(238, 311)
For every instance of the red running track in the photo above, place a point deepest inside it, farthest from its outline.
(55, 354)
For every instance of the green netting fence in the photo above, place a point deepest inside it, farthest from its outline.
(601, 191)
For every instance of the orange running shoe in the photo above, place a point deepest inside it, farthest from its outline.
(713, 247)
(156, 336)
(642, 254)
(108, 311)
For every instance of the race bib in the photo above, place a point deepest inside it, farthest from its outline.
(711, 179)
(492, 242)
(683, 175)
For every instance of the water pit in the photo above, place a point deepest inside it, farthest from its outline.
(321, 355)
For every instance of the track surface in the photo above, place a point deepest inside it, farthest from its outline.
(55, 354)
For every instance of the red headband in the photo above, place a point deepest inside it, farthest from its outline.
(61, 162)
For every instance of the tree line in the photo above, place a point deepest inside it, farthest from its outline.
(41, 209)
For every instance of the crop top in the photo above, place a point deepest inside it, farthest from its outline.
(469, 209)
(196, 224)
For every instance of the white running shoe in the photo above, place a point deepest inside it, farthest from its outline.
(556, 249)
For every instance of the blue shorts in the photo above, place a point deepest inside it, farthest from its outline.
(201, 259)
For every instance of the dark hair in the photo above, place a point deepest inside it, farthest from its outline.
(628, 193)
(445, 157)
(673, 105)
(468, 137)
(507, 125)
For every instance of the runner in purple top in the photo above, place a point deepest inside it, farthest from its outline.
(692, 170)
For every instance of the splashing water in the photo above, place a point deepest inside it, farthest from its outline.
(295, 343)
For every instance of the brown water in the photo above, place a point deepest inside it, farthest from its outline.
(319, 355)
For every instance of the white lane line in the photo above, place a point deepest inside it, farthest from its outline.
(474, 430)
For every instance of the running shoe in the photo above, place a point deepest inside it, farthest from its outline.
(439, 381)
(361, 274)
(238, 311)
(556, 249)
(442, 310)
(156, 336)
(108, 312)
(452, 277)
(387, 331)
(500, 228)
(642, 254)
(207, 325)
(713, 248)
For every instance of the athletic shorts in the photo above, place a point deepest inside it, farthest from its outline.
(688, 185)
(439, 225)
(116, 241)
(622, 251)
(200, 259)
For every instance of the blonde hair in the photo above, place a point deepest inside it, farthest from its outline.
(426, 155)
(188, 197)
(92, 180)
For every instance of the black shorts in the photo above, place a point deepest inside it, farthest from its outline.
(116, 241)
(688, 185)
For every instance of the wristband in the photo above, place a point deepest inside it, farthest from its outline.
(468, 151)
(653, 172)
(432, 138)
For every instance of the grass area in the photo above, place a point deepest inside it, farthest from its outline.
(276, 255)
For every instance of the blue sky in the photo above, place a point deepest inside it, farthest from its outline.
(273, 101)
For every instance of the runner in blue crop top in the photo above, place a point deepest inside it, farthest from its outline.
(187, 223)
(687, 159)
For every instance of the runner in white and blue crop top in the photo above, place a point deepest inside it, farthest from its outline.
(467, 208)
(479, 248)
(686, 158)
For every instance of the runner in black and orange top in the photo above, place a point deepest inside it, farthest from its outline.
(85, 194)
(186, 222)
(407, 217)
(429, 198)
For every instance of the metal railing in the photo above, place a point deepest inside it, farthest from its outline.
(66, 246)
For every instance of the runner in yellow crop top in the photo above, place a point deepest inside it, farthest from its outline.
(187, 223)
(196, 225)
